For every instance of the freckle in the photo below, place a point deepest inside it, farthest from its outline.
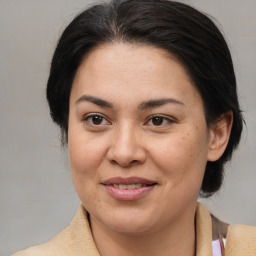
(183, 138)
(187, 134)
(196, 128)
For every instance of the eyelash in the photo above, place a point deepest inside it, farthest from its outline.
(87, 117)
(163, 119)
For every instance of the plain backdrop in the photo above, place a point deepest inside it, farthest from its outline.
(37, 198)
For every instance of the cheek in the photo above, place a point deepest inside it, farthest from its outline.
(84, 159)
(182, 156)
(84, 152)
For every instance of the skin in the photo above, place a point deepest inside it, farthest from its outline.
(127, 141)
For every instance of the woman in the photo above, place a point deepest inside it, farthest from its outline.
(145, 95)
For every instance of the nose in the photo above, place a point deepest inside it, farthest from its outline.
(126, 147)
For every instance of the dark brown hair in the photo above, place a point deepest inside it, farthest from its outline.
(176, 27)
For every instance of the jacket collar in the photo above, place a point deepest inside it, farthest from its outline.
(83, 243)
(203, 231)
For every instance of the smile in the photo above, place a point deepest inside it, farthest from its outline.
(130, 186)
(128, 189)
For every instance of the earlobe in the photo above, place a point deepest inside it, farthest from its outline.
(219, 136)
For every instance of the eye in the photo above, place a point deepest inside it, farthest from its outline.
(95, 120)
(159, 120)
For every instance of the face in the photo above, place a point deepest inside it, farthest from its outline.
(137, 138)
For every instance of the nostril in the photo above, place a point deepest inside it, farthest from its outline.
(124, 164)
(126, 154)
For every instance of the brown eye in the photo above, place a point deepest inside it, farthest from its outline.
(157, 120)
(95, 120)
(160, 120)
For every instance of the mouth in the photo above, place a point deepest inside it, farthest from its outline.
(131, 186)
(127, 189)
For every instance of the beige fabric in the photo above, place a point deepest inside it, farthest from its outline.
(241, 241)
(77, 240)
(203, 232)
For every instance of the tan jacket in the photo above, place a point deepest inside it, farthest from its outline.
(77, 240)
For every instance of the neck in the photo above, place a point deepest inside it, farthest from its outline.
(176, 239)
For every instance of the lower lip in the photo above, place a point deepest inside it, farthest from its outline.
(128, 194)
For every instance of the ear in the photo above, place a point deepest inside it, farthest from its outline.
(219, 136)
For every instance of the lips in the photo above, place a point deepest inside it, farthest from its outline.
(132, 188)
(129, 186)
(128, 181)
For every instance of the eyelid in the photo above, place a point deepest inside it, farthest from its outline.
(87, 116)
(106, 121)
(167, 118)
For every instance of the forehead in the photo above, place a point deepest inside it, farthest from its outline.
(121, 56)
(132, 69)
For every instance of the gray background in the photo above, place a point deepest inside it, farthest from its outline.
(37, 198)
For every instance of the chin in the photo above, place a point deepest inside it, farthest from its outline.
(132, 228)
(129, 222)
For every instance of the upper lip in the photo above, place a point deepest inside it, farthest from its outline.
(127, 181)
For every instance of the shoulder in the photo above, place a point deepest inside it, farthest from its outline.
(241, 239)
(76, 239)
(231, 240)
(51, 248)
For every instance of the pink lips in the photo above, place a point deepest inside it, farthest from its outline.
(143, 187)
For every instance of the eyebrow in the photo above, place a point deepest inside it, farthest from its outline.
(94, 100)
(142, 106)
(159, 102)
